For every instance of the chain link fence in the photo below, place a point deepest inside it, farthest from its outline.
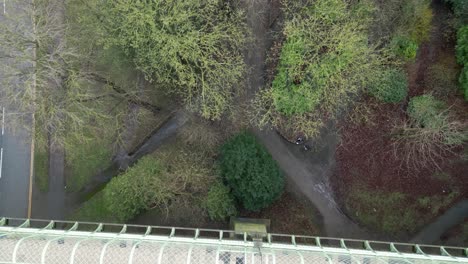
(49, 244)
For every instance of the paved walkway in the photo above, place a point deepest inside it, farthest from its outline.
(308, 171)
(455, 215)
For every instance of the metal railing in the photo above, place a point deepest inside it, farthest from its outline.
(41, 241)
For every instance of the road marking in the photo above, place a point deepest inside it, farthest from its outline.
(4, 6)
(3, 121)
(1, 162)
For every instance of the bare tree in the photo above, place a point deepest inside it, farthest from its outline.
(419, 146)
(44, 75)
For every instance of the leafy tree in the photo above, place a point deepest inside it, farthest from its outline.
(250, 171)
(192, 48)
(392, 86)
(156, 181)
(219, 202)
(324, 62)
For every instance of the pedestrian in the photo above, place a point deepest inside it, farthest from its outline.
(299, 140)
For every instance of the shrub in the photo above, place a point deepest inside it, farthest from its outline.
(402, 25)
(464, 81)
(460, 9)
(429, 135)
(392, 86)
(462, 58)
(419, 15)
(404, 47)
(250, 171)
(134, 191)
(462, 45)
(172, 174)
(219, 203)
(424, 110)
(324, 63)
(408, 19)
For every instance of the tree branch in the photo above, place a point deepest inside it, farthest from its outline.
(121, 91)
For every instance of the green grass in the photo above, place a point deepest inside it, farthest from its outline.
(442, 176)
(41, 160)
(95, 209)
(394, 213)
(85, 158)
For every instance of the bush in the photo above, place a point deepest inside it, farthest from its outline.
(418, 17)
(134, 191)
(462, 45)
(404, 47)
(325, 61)
(424, 109)
(403, 24)
(462, 58)
(408, 18)
(251, 172)
(430, 134)
(464, 81)
(172, 174)
(460, 9)
(323, 66)
(219, 203)
(392, 86)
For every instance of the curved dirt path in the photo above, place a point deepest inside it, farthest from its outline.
(308, 172)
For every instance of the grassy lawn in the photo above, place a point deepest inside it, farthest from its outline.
(394, 213)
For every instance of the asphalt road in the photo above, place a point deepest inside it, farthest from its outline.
(16, 145)
(14, 183)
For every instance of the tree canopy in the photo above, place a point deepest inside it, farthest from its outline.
(154, 181)
(254, 177)
(192, 48)
(320, 70)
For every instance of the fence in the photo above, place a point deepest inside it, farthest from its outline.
(38, 241)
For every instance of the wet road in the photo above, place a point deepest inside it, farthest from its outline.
(14, 181)
(16, 143)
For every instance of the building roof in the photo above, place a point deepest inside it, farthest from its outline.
(54, 242)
